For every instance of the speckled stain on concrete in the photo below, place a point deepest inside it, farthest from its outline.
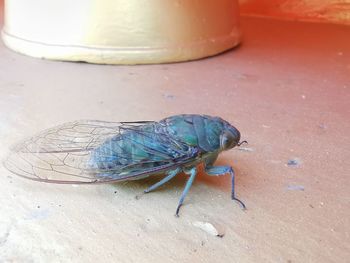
(286, 88)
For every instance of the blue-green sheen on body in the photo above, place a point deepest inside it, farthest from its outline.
(157, 143)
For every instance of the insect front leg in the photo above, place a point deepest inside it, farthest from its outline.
(222, 170)
(171, 174)
(192, 172)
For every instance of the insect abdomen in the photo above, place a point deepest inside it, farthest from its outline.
(141, 148)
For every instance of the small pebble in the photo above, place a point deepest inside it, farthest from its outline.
(322, 126)
(295, 162)
(246, 149)
(209, 228)
(296, 187)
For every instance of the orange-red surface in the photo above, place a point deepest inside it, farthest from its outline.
(287, 88)
(335, 11)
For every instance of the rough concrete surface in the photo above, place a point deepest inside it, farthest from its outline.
(287, 88)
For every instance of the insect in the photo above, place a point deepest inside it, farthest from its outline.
(90, 152)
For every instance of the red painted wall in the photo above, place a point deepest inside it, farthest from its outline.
(335, 11)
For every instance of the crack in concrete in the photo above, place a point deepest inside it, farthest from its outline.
(3, 238)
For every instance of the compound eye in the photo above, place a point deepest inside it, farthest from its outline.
(227, 140)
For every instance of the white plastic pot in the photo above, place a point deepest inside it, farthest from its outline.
(121, 31)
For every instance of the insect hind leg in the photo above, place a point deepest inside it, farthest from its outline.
(171, 174)
(192, 173)
(221, 170)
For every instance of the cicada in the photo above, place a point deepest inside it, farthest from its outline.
(91, 152)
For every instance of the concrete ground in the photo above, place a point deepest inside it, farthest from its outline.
(287, 89)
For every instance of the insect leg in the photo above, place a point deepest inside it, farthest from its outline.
(169, 176)
(190, 180)
(221, 170)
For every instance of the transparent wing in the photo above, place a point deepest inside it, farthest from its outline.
(63, 154)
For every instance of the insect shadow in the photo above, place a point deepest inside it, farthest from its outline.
(139, 186)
